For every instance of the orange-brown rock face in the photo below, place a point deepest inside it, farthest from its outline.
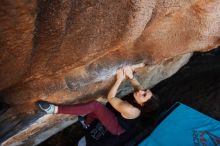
(76, 43)
(68, 51)
(54, 48)
(16, 40)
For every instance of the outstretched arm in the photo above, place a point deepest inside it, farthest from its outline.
(126, 109)
(120, 77)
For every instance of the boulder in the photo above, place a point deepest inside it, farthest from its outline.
(66, 51)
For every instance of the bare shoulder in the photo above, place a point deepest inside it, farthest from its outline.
(129, 111)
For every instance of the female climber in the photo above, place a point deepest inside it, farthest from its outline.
(120, 117)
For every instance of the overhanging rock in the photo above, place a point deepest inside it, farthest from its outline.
(65, 51)
(36, 127)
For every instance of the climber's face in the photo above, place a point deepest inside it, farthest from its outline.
(142, 96)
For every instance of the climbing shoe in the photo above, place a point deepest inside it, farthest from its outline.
(46, 107)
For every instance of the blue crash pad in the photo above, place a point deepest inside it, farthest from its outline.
(185, 126)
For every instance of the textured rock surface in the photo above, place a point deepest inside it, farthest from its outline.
(52, 49)
(67, 51)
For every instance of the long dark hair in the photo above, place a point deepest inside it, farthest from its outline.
(150, 107)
